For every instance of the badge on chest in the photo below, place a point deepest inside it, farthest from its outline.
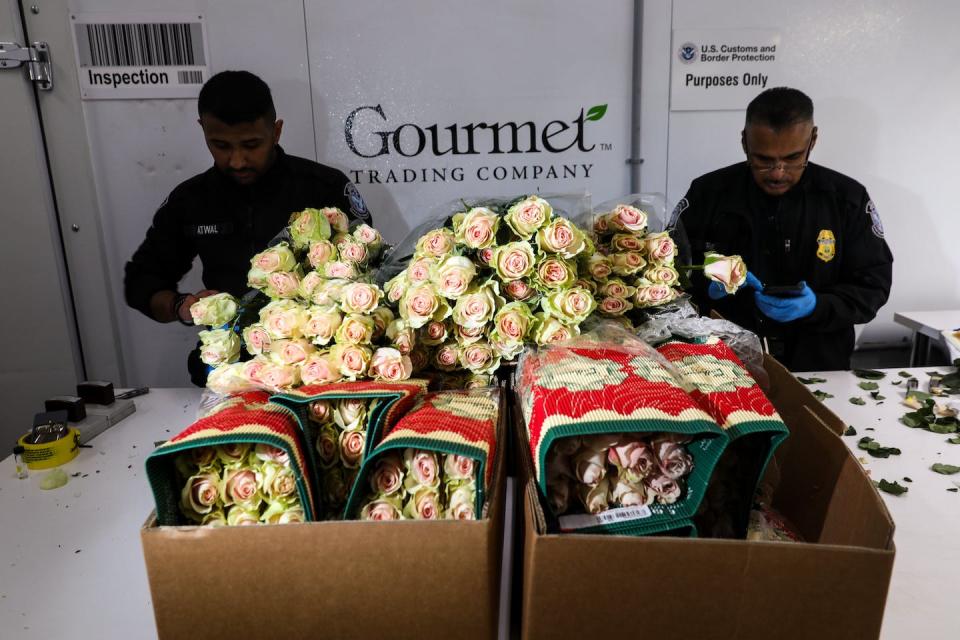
(210, 229)
(826, 245)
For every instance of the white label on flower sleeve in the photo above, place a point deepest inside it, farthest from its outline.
(621, 514)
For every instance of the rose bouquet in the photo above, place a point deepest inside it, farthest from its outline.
(238, 484)
(604, 471)
(633, 267)
(436, 462)
(609, 425)
(421, 485)
(320, 317)
(492, 279)
(341, 427)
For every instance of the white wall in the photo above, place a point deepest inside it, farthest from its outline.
(886, 89)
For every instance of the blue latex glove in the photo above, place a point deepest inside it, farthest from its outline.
(717, 290)
(787, 308)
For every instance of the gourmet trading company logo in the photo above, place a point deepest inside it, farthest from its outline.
(370, 133)
(687, 52)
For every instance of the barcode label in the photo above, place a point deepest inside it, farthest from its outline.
(620, 514)
(128, 56)
(140, 45)
(190, 77)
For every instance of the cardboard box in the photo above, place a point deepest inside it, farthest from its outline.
(338, 579)
(834, 586)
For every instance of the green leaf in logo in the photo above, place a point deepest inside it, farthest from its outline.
(597, 112)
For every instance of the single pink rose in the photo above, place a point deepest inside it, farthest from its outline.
(351, 448)
(660, 247)
(240, 486)
(666, 490)
(202, 492)
(270, 453)
(380, 511)
(635, 456)
(422, 466)
(673, 460)
(614, 306)
(519, 290)
(321, 411)
(387, 476)
(485, 256)
(320, 253)
(590, 466)
(457, 467)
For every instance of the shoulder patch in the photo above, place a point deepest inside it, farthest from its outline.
(682, 206)
(877, 226)
(357, 206)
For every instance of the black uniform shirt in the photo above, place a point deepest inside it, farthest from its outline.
(825, 230)
(226, 223)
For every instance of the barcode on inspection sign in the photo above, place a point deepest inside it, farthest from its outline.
(122, 57)
(190, 77)
(140, 45)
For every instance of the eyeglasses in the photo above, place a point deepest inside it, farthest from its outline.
(786, 167)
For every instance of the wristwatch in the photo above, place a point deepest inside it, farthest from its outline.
(177, 303)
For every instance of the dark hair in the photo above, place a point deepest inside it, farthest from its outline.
(236, 96)
(780, 107)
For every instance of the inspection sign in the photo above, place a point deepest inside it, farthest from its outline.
(135, 57)
(720, 69)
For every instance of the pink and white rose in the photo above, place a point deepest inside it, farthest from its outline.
(673, 460)
(322, 324)
(513, 260)
(436, 243)
(277, 258)
(627, 263)
(477, 228)
(654, 294)
(320, 253)
(390, 365)
(627, 218)
(355, 329)
(422, 469)
(730, 271)
(452, 276)
(381, 510)
(351, 447)
(387, 476)
(528, 215)
(360, 297)
(200, 493)
(456, 467)
(352, 360)
(666, 490)
(560, 236)
(660, 248)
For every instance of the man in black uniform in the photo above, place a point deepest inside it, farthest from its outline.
(231, 211)
(793, 222)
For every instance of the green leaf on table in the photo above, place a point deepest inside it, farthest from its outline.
(876, 396)
(821, 395)
(896, 382)
(859, 401)
(933, 373)
(953, 489)
(597, 112)
(869, 374)
(922, 396)
(907, 479)
(850, 431)
(875, 449)
(811, 380)
(913, 419)
(893, 488)
(945, 469)
(954, 440)
(869, 386)
(904, 374)
(944, 425)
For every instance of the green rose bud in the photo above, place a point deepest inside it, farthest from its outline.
(309, 225)
(215, 310)
(219, 346)
(277, 258)
(550, 330)
(570, 306)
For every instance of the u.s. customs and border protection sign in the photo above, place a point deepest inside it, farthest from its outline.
(826, 245)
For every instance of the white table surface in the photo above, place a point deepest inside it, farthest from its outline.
(922, 603)
(71, 565)
(78, 547)
(929, 323)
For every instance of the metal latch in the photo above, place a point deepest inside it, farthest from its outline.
(37, 58)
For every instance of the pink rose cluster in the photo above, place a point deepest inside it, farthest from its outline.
(421, 485)
(633, 268)
(340, 445)
(499, 277)
(238, 484)
(600, 472)
(326, 320)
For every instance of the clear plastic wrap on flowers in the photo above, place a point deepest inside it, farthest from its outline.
(616, 443)
(653, 204)
(683, 321)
